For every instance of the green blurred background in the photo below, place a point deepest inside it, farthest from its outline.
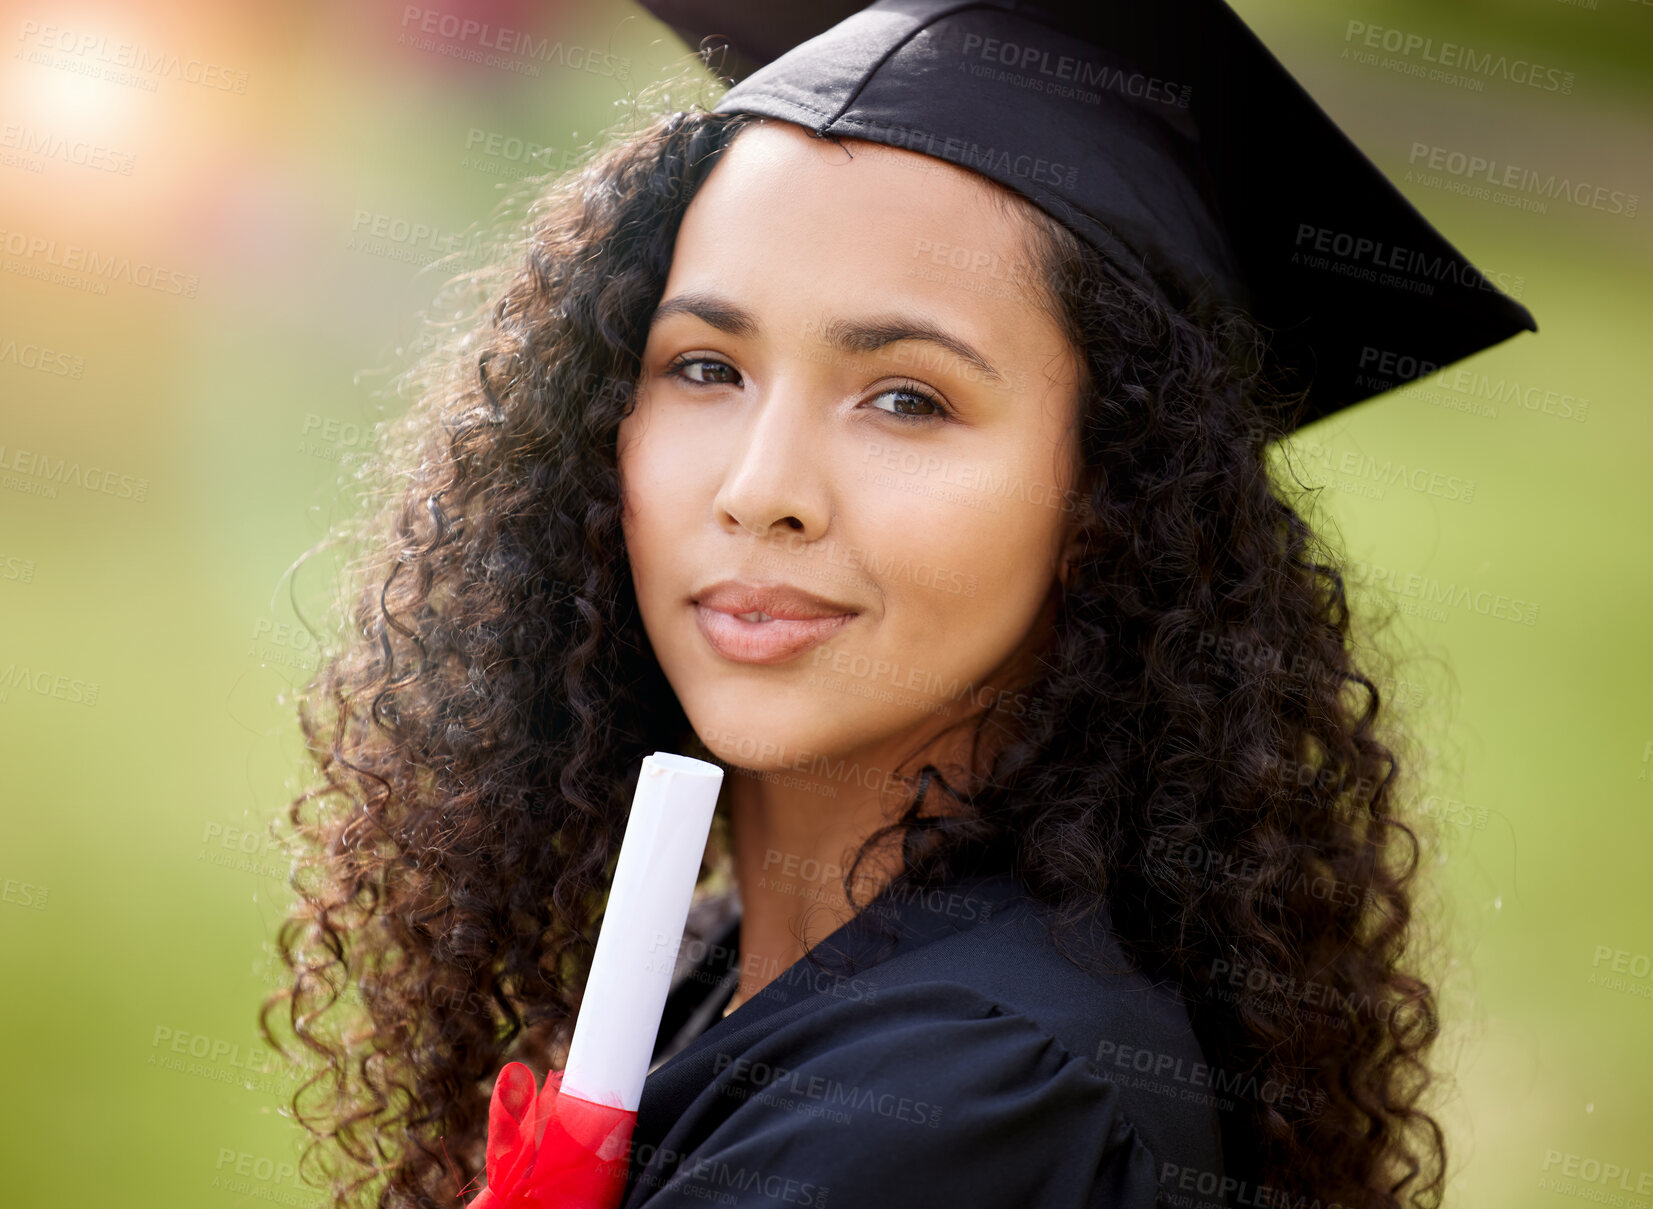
(149, 628)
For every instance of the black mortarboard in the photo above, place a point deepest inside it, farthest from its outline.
(1163, 132)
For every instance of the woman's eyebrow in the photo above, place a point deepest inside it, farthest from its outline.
(718, 312)
(864, 335)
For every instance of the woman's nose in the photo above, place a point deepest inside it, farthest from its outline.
(776, 472)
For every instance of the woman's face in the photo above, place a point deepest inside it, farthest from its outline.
(845, 393)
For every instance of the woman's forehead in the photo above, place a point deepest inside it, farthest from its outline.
(782, 166)
(856, 223)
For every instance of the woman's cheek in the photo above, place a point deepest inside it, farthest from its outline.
(664, 468)
(1012, 563)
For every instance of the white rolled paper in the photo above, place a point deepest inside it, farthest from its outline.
(648, 906)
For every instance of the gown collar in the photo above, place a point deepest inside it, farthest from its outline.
(896, 921)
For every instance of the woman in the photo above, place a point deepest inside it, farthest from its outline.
(1059, 820)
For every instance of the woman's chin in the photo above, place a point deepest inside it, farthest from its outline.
(773, 736)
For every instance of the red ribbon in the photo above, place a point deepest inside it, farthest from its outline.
(551, 1151)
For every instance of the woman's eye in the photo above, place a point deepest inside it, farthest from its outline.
(704, 371)
(910, 403)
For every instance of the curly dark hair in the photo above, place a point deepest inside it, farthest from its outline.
(1202, 753)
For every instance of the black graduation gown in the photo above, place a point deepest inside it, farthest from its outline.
(940, 1051)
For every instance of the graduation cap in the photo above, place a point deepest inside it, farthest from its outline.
(1161, 131)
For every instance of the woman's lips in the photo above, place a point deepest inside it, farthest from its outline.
(773, 641)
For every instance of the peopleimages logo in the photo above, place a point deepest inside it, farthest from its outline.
(1065, 75)
(46, 144)
(35, 252)
(467, 38)
(47, 684)
(986, 160)
(45, 476)
(1370, 257)
(1457, 57)
(94, 55)
(1464, 166)
(40, 358)
(1430, 593)
(785, 1080)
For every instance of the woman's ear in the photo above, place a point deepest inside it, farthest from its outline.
(1075, 537)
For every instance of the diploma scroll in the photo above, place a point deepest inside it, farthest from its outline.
(631, 972)
(567, 1145)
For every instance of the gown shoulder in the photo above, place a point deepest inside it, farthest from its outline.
(927, 1093)
(942, 1050)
